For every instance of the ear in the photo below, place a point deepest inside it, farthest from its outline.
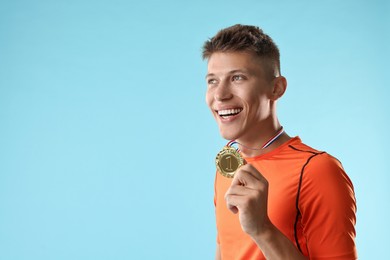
(279, 86)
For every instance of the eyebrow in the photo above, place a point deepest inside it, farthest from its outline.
(230, 72)
(209, 75)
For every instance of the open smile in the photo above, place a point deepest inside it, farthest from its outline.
(228, 113)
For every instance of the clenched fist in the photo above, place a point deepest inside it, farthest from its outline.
(247, 196)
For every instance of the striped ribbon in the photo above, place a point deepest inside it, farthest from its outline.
(268, 143)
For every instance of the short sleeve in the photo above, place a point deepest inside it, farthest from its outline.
(328, 209)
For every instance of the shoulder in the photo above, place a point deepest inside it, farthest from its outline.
(323, 177)
(326, 169)
(317, 164)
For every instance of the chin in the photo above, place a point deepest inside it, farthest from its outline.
(228, 135)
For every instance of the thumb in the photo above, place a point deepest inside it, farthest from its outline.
(233, 209)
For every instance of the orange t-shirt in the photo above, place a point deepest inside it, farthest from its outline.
(310, 200)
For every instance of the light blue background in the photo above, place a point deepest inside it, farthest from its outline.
(106, 144)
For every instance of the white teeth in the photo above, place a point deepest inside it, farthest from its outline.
(229, 111)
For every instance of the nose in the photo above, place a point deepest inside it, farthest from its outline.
(223, 92)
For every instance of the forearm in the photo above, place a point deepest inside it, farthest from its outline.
(275, 245)
(217, 253)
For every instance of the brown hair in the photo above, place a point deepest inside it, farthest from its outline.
(245, 38)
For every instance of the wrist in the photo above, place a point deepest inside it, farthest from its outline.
(274, 244)
(265, 234)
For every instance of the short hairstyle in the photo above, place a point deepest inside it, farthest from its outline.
(245, 38)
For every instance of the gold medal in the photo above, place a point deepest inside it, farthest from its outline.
(228, 160)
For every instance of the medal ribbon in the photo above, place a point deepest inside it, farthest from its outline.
(265, 145)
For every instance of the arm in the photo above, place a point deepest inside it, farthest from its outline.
(247, 196)
(217, 253)
(328, 209)
(275, 245)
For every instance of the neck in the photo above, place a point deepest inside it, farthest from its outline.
(251, 147)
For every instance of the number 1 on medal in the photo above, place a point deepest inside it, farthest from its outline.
(230, 163)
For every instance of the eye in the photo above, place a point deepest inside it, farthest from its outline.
(237, 77)
(211, 81)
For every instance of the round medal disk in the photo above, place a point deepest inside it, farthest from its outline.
(228, 160)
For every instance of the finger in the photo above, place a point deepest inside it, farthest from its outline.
(243, 178)
(239, 190)
(246, 177)
(233, 203)
(237, 196)
(233, 209)
(231, 197)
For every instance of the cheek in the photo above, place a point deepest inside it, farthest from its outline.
(251, 102)
(209, 98)
(253, 106)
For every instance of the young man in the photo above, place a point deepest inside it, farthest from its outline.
(288, 200)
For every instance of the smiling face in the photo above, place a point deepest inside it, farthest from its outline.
(240, 95)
